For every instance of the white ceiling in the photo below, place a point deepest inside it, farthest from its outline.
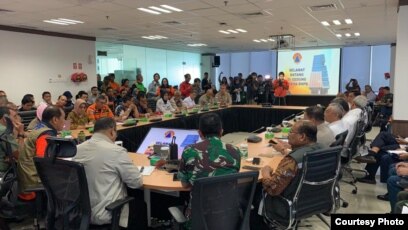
(375, 20)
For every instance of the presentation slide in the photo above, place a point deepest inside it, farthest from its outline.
(311, 72)
(163, 136)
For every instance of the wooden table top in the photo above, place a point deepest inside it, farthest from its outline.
(162, 180)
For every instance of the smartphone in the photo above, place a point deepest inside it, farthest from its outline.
(175, 178)
(272, 141)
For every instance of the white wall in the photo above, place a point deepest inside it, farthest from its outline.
(400, 109)
(28, 61)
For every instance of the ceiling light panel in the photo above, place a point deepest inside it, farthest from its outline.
(325, 23)
(171, 8)
(241, 30)
(224, 32)
(154, 37)
(357, 34)
(347, 35)
(63, 21)
(336, 22)
(348, 21)
(233, 31)
(160, 9)
(339, 35)
(148, 11)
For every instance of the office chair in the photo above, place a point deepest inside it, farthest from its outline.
(220, 202)
(27, 117)
(314, 193)
(67, 189)
(340, 139)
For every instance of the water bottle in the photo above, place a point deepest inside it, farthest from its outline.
(244, 150)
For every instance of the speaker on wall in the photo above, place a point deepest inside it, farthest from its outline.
(217, 61)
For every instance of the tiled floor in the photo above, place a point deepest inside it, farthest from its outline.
(364, 201)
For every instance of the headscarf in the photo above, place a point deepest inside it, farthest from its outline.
(40, 110)
(77, 104)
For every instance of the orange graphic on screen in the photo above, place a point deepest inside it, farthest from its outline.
(169, 134)
(297, 58)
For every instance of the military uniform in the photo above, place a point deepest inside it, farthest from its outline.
(224, 99)
(210, 157)
(205, 100)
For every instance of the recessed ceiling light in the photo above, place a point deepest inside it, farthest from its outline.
(264, 40)
(255, 40)
(270, 39)
(348, 21)
(171, 8)
(347, 35)
(56, 22)
(325, 23)
(62, 21)
(70, 20)
(336, 22)
(224, 32)
(357, 34)
(197, 44)
(338, 35)
(154, 37)
(160, 9)
(233, 31)
(241, 30)
(148, 11)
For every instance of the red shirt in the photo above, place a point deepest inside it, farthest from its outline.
(185, 89)
(280, 91)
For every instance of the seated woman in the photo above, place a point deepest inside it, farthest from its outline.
(36, 121)
(165, 87)
(163, 105)
(77, 117)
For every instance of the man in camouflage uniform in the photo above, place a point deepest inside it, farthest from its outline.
(211, 157)
(223, 97)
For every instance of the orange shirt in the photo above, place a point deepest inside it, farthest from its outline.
(280, 90)
(171, 91)
(95, 114)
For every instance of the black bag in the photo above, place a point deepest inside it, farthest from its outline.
(173, 149)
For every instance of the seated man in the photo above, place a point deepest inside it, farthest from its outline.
(223, 97)
(108, 169)
(396, 174)
(285, 178)
(176, 101)
(207, 99)
(325, 136)
(333, 115)
(127, 109)
(99, 109)
(189, 102)
(142, 105)
(382, 142)
(53, 120)
(211, 157)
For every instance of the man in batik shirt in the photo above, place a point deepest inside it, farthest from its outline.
(211, 157)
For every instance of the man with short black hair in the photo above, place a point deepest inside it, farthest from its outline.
(46, 96)
(62, 101)
(127, 109)
(99, 109)
(205, 83)
(94, 95)
(284, 180)
(109, 170)
(325, 136)
(53, 120)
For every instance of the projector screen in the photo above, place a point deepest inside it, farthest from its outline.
(163, 136)
(311, 72)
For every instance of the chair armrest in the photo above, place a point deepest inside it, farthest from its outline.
(118, 204)
(178, 215)
(40, 188)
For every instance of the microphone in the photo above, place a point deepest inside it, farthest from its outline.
(289, 117)
(256, 130)
(300, 113)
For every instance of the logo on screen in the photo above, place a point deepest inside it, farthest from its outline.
(169, 134)
(297, 58)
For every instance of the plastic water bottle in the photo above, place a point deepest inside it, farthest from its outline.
(81, 137)
(244, 150)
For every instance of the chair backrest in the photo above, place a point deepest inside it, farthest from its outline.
(315, 193)
(60, 147)
(223, 202)
(67, 191)
(27, 117)
(359, 135)
(340, 139)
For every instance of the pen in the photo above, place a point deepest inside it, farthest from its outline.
(141, 169)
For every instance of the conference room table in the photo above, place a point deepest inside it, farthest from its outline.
(162, 181)
(235, 118)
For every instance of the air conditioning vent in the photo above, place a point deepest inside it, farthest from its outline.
(230, 37)
(342, 29)
(172, 23)
(107, 29)
(252, 14)
(4, 11)
(326, 7)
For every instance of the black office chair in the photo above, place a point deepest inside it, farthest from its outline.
(27, 117)
(314, 194)
(67, 190)
(340, 139)
(220, 202)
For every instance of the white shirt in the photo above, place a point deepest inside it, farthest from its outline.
(189, 103)
(108, 168)
(164, 107)
(337, 127)
(371, 97)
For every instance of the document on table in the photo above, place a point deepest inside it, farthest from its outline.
(405, 209)
(146, 170)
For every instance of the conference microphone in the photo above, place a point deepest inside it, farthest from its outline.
(256, 130)
(289, 117)
(299, 116)
(255, 138)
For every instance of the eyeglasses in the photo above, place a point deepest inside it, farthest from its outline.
(292, 132)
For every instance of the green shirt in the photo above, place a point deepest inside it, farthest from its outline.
(140, 87)
(3, 148)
